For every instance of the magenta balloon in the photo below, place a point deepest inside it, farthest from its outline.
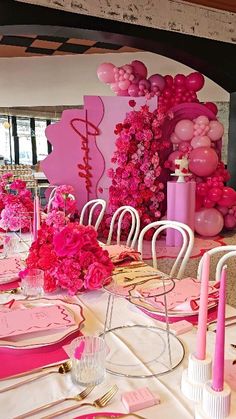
(145, 84)
(157, 80)
(195, 81)
(133, 90)
(203, 161)
(228, 197)
(184, 129)
(203, 141)
(212, 106)
(223, 210)
(214, 194)
(230, 221)
(216, 130)
(105, 72)
(124, 84)
(179, 80)
(139, 68)
(208, 222)
(174, 139)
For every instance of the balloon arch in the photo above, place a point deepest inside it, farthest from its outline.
(180, 126)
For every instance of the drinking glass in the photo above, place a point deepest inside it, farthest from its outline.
(89, 369)
(32, 283)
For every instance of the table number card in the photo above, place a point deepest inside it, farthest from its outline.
(36, 319)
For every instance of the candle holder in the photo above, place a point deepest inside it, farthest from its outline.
(195, 376)
(215, 404)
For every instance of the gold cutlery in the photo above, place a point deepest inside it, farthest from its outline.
(63, 369)
(13, 291)
(41, 369)
(146, 276)
(98, 403)
(141, 282)
(78, 397)
(131, 266)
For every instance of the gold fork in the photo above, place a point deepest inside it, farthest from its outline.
(63, 369)
(78, 397)
(99, 403)
(13, 291)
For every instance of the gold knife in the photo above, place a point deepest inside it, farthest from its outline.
(24, 374)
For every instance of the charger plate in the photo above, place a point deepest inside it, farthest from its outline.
(46, 338)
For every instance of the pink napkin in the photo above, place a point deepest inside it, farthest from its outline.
(120, 254)
(9, 286)
(14, 361)
(108, 414)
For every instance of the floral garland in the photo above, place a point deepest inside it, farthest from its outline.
(70, 256)
(140, 177)
(16, 204)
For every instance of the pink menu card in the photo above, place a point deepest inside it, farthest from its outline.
(36, 319)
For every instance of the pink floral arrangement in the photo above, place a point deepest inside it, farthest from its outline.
(64, 200)
(16, 204)
(71, 258)
(139, 178)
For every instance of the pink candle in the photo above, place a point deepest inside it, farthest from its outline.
(219, 358)
(203, 310)
(36, 217)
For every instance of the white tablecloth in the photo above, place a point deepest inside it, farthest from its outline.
(173, 403)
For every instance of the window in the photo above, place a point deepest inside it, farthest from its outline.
(41, 139)
(6, 141)
(24, 136)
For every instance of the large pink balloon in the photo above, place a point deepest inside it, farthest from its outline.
(124, 84)
(216, 130)
(203, 161)
(208, 222)
(139, 68)
(157, 80)
(105, 72)
(184, 129)
(203, 141)
(194, 81)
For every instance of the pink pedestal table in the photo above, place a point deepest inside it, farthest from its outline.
(180, 207)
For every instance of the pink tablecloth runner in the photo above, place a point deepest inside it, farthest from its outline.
(14, 361)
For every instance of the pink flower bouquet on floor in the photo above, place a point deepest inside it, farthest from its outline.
(71, 258)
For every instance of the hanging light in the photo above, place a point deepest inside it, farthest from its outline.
(6, 125)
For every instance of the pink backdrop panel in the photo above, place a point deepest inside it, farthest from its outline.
(83, 143)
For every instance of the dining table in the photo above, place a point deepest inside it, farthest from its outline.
(165, 387)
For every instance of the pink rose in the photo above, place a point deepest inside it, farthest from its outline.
(95, 276)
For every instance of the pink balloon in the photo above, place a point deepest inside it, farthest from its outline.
(133, 90)
(124, 84)
(105, 72)
(157, 80)
(174, 156)
(203, 161)
(208, 222)
(202, 120)
(228, 197)
(122, 93)
(139, 68)
(184, 129)
(201, 142)
(223, 210)
(214, 194)
(195, 81)
(114, 87)
(174, 139)
(230, 221)
(216, 130)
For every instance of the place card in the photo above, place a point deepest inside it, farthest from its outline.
(36, 319)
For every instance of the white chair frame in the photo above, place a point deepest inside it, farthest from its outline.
(135, 225)
(51, 197)
(186, 248)
(94, 203)
(221, 263)
(218, 249)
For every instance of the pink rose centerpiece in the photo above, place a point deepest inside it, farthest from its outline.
(16, 204)
(71, 258)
